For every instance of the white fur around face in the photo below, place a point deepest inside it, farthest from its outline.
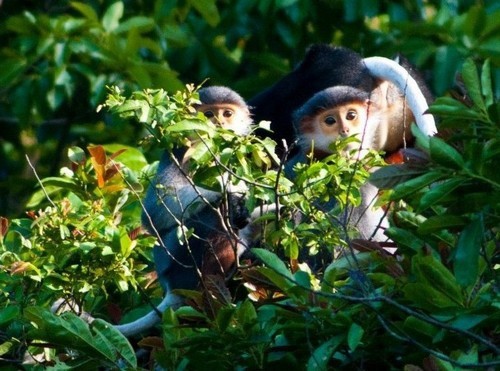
(359, 119)
(229, 116)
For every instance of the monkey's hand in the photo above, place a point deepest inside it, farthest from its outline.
(238, 212)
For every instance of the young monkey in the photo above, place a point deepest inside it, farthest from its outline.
(381, 119)
(172, 199)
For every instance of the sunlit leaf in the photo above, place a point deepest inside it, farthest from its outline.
(98, 159)
(112, 16)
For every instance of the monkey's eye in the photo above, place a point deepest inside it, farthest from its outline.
(227, 113)
(330, 120)
(209, 114)
(351, 115)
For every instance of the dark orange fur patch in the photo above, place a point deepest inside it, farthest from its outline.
(220, 256)
(395, 158)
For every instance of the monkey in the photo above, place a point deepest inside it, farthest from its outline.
(323, 66)
(172, 199)
(380, 119)
(339, 112)
(326, 66)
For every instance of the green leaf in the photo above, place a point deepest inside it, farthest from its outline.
(85, 10)
(422, 140)
(142, 23)
(7, 314)
(420, 327)
(246, 313)
(76, 155)
(99, 340)
(388, 177)
(439, 222)
(426, 297)
(468, 321)
(439, 192)
(190, 125)
(410, 187)
(112, 16)
(272, 261)
(11, 70)
(322, 354)
(486, 84)
(428, 270)
(444, 154)
(208, 10)
(471, 80)
(447, 106)
(354, 336)
(224, 318)
(405, 238)
(113, 340)
(466, 257)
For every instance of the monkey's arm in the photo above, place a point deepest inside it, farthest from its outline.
(171, 197)
(387, 69)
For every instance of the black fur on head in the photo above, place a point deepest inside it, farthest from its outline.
(220, 95)
(323, 66)
(329, 98)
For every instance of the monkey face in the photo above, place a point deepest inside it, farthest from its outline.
(332, 123)
(229, 116)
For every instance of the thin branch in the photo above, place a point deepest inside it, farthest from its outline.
(40, 182)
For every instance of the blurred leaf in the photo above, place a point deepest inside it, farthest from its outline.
(11, 70)
(112, 16)
(208, 10)
(486, 84)
(86, 10)
(8, 314)
(139, 22)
